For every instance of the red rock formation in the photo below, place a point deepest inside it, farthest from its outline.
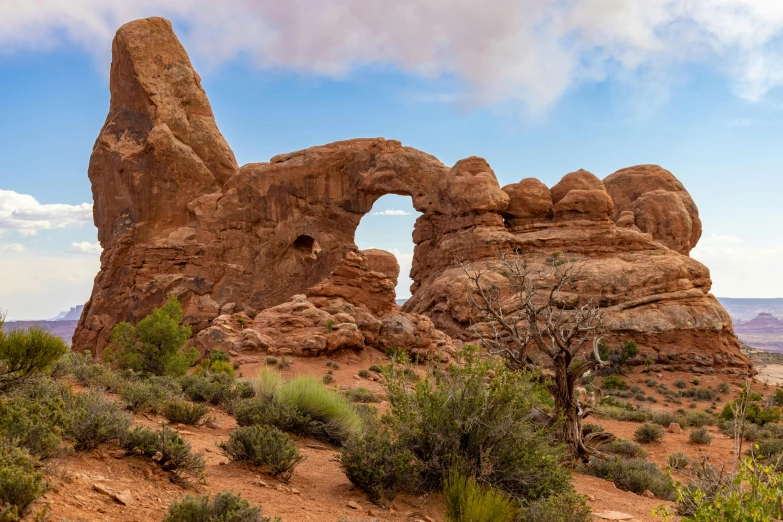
(272, 243)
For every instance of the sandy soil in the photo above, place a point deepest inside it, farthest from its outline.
(318, 490)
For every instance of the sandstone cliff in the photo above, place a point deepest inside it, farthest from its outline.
(273, 242)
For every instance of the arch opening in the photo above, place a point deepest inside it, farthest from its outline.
(389, 226)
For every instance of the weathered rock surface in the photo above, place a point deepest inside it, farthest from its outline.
(660, 204)
(271, 244)
(351, 309)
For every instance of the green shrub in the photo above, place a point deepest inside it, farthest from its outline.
(626, 414)
(327, 379)
(375, 368)
(20, 482)
(148, 394)
(486, 423)
(364, 374)
(284, 363)
(758, 497)
(678, 461)
(266, 383)
(700, 436)
(225, 507)
(95, 375)
(651, 383)
(361, 395)
(467, 501)
(563, 507)
(695, 382)
(169, 450)
(665, 418)
(647, 433)
(156, 345)
(215, 389)
(616, 359)
(625, 448)
(589, 427)
(335, 415)
(34, 417)
(24, 353)
(698, 419)
(614, 382)
(96, 420)
(379, 464)
(330, 324)
(184, 412)
(633, 475)
(724, 388)
(263, 446)
(681, 384)
(271, 361)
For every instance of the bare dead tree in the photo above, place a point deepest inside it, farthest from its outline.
(524, 308)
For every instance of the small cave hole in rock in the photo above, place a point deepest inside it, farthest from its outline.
(307, 246)
(389, 226)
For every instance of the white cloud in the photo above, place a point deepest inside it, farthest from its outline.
(85, 247)
(531, 51)
(12, 247)
(40, 286)
(21, 212)
(391, 213)
(739, 269)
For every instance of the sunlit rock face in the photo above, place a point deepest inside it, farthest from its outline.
(272, 243)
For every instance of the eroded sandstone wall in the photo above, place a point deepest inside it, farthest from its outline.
(177, 215)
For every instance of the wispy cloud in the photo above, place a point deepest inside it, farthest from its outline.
(12, 248)
(23, 213)
(531, 51)
(391, 213)
(85, 247)
(741, 269)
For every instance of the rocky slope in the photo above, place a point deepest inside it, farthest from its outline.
(272, 243)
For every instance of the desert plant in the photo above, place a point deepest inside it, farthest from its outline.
(361, 395)
(271, 361)
(681, 384)
(700, 436)
(378, 463)
(592, 428)
(648, 433)
(565, 506)
(215, 389)
(327, 379)
(468, 501)
(95, 420)
(678, 461)
(665, 418)
(616, 359)
(614, 382)
(486, 423)
(169, 450)
(375, 368)
(224, 507)
(156, 345)
(35, 424)
(330, 324)
(148, 394)
(20, 482)
(635, 475)
(522, 306)
(263, 446)
(284, 363)
(184, 412)
(364, 374)
(267, 382)
(695, 382)
(24, 353)
(336, 416)
(625, 448)
(724, 388)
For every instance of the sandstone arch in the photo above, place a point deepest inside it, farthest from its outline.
(177, 215)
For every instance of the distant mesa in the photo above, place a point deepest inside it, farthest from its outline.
(69, 315)
(272, 243)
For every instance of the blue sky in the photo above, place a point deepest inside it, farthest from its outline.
(715, 120)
